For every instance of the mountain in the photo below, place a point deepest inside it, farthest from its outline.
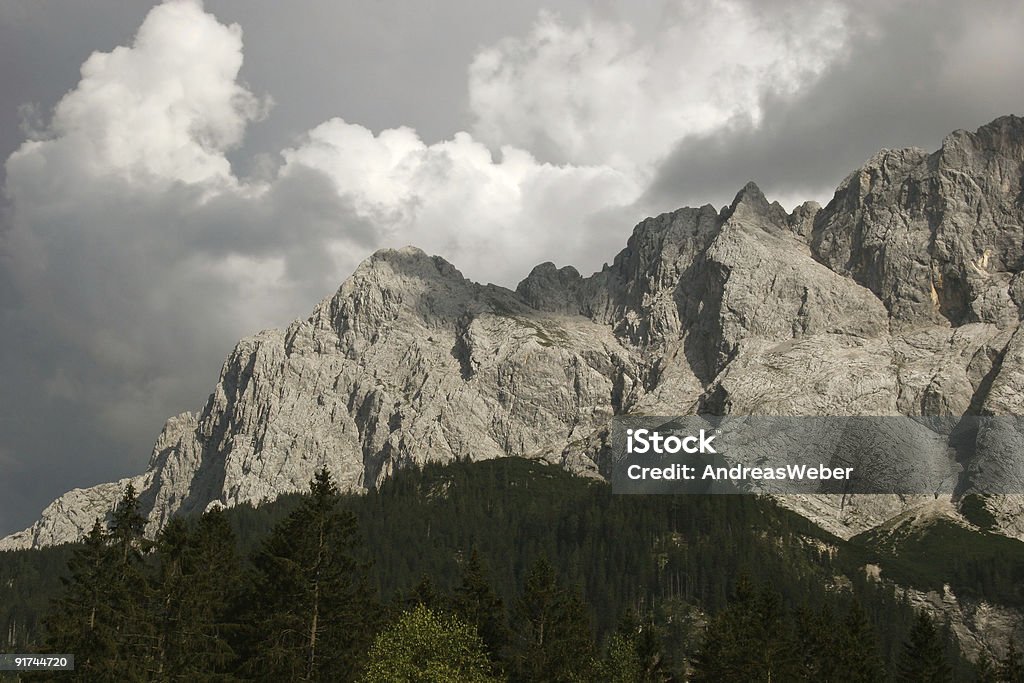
(901, 297)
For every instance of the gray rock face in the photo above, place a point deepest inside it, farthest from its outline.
(901, 296)
(937, 237)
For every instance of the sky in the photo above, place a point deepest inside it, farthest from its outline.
(179, 175)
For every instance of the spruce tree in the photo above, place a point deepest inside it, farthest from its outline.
(310, 602)
(817, 636)
(101, 617)
(923, 659)
(551, 639)
(750, 640)
(128, 588)
(855, 657)
(195, 580)
(79, 621)
(1011, 668)
(426, 593)
(477, 603)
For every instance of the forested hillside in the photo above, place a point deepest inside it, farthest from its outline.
(503, 569)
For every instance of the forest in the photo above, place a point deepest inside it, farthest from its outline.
(506, 569)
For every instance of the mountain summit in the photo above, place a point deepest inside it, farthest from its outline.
(901, 297)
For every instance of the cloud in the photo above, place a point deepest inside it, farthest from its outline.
(601, 93)
(914, 72)
(164, 109)
(494, 217)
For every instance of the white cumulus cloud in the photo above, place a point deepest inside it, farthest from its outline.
(495, 218)
(602, 93)
(164, 109)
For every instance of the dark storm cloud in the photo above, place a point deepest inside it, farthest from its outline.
(915, 72)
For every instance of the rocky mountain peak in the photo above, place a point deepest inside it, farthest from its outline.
(937, 237)
(751, 204)
(901, 296)
(1003, 137)
(550, 288)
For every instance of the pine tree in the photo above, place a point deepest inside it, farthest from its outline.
(984, 670)
(310, 598)
(425, 593)
(855, 657)
(477, 603)
(80, 621)
(101, 616)
(552, 639)
(923, 659)
(817, 636)
(196, 579)
(1011, 668)
(128, 588)
(750, 640)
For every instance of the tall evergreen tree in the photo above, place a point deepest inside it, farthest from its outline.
(923, 659)
(195, 580)
(816, 634)
(80, 621)
(101, 616)
(1011, 668)
(750, 640)
(855, 657)
(551, 639)
(127, 584)
(311, 602)
(478, 604)
(426, 593)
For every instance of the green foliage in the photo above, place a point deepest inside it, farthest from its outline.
(750, 640)
(543, 565)
(195, 580)
(101, 616)
(551, 638)
(855, 656)
(425, 647)
(82, 621)
(975, 564)
(28, 581)
(975, 511)
(310, 602)
(1011, 668)
(478, 604)
(923, 659)
(634, 653)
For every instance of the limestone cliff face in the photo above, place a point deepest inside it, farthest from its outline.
(901, 296)
(407, 362)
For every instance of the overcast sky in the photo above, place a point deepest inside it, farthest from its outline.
(178, 176)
